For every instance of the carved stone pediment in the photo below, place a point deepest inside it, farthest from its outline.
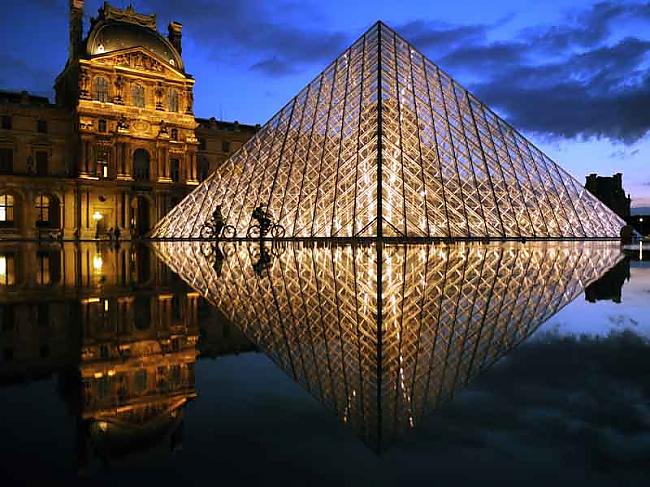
(138, 59)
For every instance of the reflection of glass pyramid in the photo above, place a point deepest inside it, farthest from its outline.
(384, 120)
(383, 334)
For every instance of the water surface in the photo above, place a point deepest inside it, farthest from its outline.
(319, 364)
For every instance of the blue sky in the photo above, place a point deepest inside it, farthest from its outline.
(574, 76)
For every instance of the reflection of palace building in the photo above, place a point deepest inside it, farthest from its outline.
(120, 147)
(610, 286)
(118, 328)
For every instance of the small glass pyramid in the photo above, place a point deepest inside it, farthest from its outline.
(383, 143)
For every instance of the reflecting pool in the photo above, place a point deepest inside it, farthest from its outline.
(318, 364)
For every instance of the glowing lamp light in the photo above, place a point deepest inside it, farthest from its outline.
(97, 216)
(98, 263)
(3, 268)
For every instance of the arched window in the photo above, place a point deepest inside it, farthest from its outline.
(6, 210)
(138, 96)
(100, 91)
(173, 100)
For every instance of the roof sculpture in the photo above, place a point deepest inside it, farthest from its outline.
(383, 334)
(383, 143)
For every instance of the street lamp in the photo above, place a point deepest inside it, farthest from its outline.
(641, 226)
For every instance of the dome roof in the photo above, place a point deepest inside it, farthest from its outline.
(114, 36)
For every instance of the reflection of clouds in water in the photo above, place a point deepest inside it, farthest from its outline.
(578, 403)
(622, 321)
(603, 316)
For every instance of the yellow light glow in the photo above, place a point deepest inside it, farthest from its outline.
(3, 268)
(97, 216)
(90, 300)
(98, 375)
(102, 425)
(98, 263)
(110, 373)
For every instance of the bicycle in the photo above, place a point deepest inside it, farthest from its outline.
(211, 230)
(257, 231)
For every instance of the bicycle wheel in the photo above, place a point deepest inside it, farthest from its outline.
(206, 249)
(228, 231)
(253, 231)
(277, 231)
(207, 232)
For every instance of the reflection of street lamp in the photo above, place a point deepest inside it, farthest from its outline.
(3, 268)
(641, 227)
(98, 263)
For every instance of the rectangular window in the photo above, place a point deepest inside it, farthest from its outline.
(41, 126)
(101, 125)
(101, 163)
(102, 168)
(6, 160)
(7, 270)
(225, 146)
(6, 210)
(41, 163)
(43, 271)
(6, 122)
(175, 170)
(174, 135)
(49, 268)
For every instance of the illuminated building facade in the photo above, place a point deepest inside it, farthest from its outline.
(385, 144)
(121, 145)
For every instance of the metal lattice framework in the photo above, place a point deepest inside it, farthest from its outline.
(385, 144)
(382, 334)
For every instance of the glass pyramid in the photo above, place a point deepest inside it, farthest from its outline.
(384, 334)
(383, 143)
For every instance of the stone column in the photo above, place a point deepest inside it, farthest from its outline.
(83, 158)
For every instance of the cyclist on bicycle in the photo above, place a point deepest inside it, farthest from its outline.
(264, 218)
(218, 220)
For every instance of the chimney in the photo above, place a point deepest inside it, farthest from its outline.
(76, 28)
(175, 35)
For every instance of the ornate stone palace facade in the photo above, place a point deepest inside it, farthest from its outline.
(121, 144)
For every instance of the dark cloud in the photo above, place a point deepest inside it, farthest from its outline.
(569, 81)
(491, 56)
(598, 93)
(431, 35)
(585, 28)
(248, 29)
(274, 66)
(555, 407)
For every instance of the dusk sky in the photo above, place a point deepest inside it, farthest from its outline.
(573, 76)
